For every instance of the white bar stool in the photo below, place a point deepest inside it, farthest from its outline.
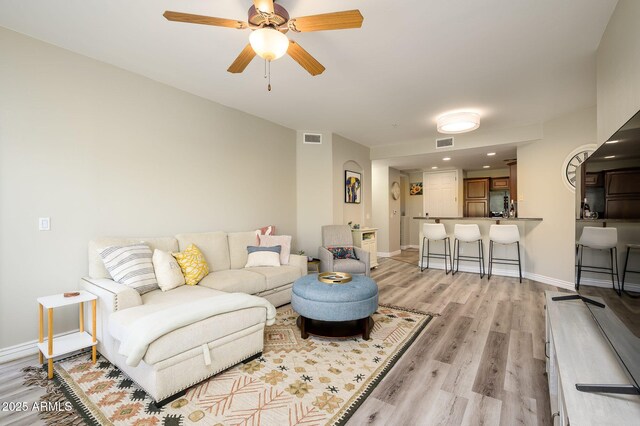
(626, 265)
(435, 232)
(504, 234)
(468, 234)
(599, 239)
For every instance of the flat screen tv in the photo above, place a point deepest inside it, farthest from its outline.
(611, 175)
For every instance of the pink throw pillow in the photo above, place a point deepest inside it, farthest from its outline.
(267, 230)
(284, 241)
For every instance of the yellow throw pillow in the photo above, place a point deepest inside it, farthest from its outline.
(194, 267)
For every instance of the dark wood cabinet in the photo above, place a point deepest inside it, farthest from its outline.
(476, 197)
(500, 184)
(622, 194)
(594, 180)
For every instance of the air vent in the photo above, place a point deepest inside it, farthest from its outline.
(313, 138)
(444, 143)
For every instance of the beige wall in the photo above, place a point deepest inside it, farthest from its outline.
(349, 155)
(380, 203)
(490, 173)
(414, 207)
(394, 214)
(618, 72)
(541, 193)
(314, 191)
(103, 151)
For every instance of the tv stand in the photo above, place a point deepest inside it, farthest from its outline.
(582, 366)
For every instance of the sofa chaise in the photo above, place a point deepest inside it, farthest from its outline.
(192, 353)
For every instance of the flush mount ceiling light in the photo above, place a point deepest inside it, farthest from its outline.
(485, 167)
(446, 159)
(491, 154)
(434, 167)
(458, 122)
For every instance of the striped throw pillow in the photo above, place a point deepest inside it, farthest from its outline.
(131, 266)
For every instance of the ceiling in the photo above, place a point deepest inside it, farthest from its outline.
(515, 62)
(467, 159)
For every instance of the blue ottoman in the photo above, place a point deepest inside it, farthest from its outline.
(335, 310)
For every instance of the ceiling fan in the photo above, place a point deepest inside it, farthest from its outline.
(269, 22)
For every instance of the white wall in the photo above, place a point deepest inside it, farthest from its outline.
(103, 151)
(618, 75)
(541, 193)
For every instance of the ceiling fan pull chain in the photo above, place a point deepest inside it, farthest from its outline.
(269, 73)
(265, 68)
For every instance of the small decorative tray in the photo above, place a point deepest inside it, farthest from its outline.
(334, 277)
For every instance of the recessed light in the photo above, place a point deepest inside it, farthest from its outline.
(485, 167)
(446, 159)
(612, 141)
(608, 157)
(491, 154)
(434, 167)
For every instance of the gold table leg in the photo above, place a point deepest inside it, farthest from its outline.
(93, 331)
(81, 306)
(50, 342)
(40, 331)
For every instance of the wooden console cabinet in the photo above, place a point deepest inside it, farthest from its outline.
(367, 239)
(578, 352)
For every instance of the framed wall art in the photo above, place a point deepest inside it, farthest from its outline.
(352, 187)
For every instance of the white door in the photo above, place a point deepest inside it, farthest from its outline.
(441, 194)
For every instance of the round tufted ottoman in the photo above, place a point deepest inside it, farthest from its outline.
(335, 310)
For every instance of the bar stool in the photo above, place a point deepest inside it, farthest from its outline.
(468, 234)
(436, 232)
(504, 234)
(599, 239)
(626, 264)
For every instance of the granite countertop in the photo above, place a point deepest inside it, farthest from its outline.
(608, 220)
(512, 219)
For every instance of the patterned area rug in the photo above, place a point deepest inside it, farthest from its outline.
(318, 381)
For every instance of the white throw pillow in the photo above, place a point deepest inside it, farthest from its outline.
(130, 265)
(167, 270)
(284, 241)
(263, 256)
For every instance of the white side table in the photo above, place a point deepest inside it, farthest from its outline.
(70, 342)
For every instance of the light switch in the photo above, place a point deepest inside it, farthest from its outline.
(44, 224)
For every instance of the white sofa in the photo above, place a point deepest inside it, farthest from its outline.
(176, 361)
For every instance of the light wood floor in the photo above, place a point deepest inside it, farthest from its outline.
(480, 362)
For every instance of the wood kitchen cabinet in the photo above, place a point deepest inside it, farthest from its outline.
(500, 184)
(594, 179)
(622, 194)
(476, 197)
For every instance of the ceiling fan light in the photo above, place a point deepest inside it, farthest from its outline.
(269, 43)
(459, 122)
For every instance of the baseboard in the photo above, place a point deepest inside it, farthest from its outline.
(632, 287)
(25, 349)
(473, 268)
(411, 246)
(567, 285)
(389, 254)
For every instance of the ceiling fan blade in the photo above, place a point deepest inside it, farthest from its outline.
(204, 20)
(327, 21)
(242, 60)
(265, 6)
(305, 60)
